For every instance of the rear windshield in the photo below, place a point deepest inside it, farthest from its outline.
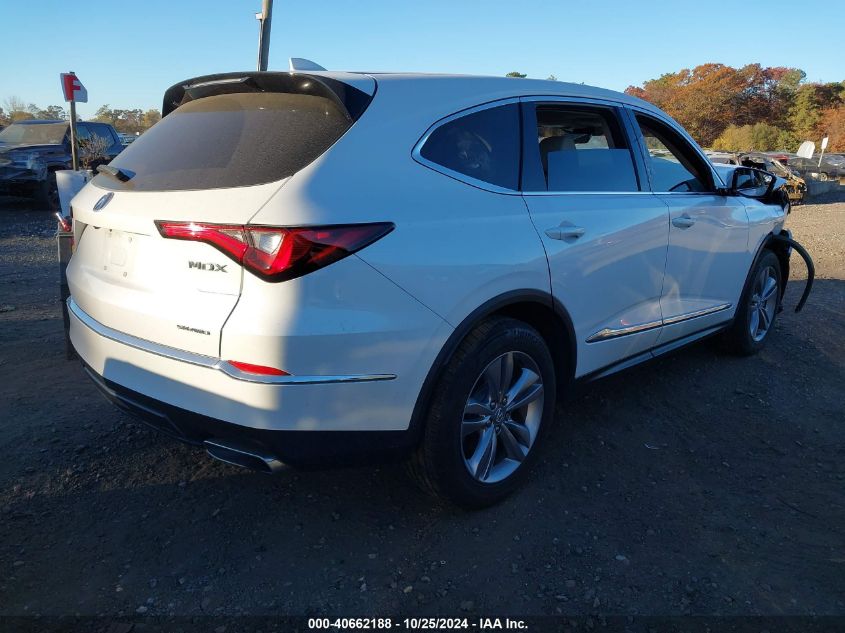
(230, 140)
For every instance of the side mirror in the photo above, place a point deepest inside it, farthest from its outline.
(752, 183)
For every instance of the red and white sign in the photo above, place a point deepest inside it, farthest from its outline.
(73, 88)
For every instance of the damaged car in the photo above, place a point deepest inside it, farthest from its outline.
(795, 186)
(31, 152)
(315, 267)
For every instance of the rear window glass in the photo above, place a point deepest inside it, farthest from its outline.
(230, 140)
(483, 145)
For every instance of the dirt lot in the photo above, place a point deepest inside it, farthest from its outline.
(701, 484)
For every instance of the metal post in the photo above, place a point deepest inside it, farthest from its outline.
(74, 150)
(264, 18)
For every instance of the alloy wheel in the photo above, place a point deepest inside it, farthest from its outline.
(502, 417)
(763, 303)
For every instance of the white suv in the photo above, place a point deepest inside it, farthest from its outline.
(296, 267)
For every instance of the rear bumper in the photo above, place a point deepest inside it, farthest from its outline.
(297, 448)
(195, 388)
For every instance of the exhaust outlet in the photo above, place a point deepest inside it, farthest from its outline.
(243, 454)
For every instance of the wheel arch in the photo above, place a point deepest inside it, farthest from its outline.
(536, 308)
(781, 250)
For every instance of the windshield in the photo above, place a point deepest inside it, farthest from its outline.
(776, 168)
(35, 134)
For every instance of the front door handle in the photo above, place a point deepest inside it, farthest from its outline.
(683, 221)
(565, 232)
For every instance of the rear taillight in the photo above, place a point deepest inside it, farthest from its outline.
(277, 253)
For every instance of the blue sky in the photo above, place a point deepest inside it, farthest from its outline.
(127, 54)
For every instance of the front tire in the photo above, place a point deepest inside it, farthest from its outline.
(758, 307)
(490, 407)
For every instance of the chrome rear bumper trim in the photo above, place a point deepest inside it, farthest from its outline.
(209, 361)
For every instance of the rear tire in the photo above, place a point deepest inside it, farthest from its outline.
(758, 307)
(489, 409)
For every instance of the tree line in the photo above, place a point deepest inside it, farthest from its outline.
(750, 108)
(128, 121)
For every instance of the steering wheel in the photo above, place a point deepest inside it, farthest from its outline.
(683, 183)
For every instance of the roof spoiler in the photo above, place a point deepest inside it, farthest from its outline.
(300, 63)
(349, 98)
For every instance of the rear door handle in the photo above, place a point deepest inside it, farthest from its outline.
(565, 232)
(683, 221)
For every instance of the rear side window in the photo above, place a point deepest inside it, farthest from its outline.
(583, 148)
(483, 145)
(104, 131)
(230, 140)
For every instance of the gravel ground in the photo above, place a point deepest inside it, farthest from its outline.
(699, 484)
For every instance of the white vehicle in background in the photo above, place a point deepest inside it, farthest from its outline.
(323, 266)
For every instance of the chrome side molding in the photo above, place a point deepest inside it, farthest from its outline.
(609, 333)
(696, 314)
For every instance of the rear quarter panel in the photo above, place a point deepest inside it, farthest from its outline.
(455, 246)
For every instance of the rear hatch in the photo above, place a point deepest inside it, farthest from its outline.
(226, 144)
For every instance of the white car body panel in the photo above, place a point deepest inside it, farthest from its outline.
(126, 276)
(390, 309)
(378, 405)
(615, 268)
(707, 262)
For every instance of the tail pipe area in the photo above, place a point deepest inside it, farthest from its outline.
(786, 238)
(243, 454)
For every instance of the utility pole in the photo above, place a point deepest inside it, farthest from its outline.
(264, 19)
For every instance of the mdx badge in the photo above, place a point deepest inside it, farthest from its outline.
(210, 266)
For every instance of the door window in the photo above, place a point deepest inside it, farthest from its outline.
(483, 145)
(675, 166)
(103, 131)
(581, 148)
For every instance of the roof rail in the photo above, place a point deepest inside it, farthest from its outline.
(300, 63)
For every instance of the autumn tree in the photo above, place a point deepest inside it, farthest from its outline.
(50, 112)
(126, 120)
(832, 125)
(150, 118)
(809, 105)
(711, 97)
(734, 138)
